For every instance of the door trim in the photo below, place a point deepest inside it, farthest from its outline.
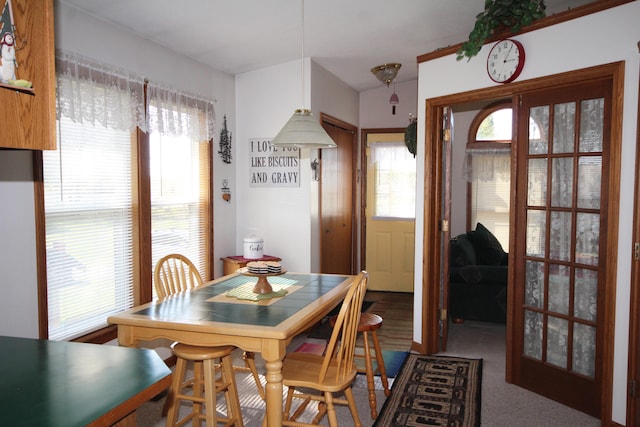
(633, 416)
(432, 186)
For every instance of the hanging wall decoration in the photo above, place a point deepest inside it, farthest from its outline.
(8, 47)
(225, 143)
(226, 191)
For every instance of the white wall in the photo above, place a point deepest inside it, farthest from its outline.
(18, 281)
(552, 50)
(461, 123)
(286, 217)
(375, 110)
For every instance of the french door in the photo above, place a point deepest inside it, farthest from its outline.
(561, 242)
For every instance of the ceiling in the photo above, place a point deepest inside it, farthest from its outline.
(347, 38)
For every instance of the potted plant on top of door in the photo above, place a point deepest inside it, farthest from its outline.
(499, 15)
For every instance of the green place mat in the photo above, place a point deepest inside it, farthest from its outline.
(245, 292)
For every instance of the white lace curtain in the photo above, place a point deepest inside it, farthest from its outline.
(173, 113)
(486, 164)
(115, 99)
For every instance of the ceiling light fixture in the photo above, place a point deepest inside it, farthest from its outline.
(302, 130)
(386, 72)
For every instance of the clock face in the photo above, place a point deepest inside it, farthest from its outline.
(505, 61)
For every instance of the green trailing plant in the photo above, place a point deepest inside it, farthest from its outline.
(411, 135)
(497, 16)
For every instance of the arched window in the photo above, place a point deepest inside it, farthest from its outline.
(487, 169)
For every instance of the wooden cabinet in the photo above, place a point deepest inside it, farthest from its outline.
(28, 116)
(231, 264)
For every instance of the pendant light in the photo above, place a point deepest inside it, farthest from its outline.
(303, 130)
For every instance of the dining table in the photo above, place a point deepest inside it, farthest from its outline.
(225, 311)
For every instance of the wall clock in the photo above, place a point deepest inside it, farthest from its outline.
(505, 61)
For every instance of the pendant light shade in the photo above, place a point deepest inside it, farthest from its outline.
(303, 131)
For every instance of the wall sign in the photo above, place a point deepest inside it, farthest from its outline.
(273, 166)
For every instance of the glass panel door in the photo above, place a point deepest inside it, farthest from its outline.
(561, 248)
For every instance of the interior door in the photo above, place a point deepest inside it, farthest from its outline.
(561, 244)
(390, 217)
(338, 199)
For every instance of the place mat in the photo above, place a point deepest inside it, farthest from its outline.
(245, 292)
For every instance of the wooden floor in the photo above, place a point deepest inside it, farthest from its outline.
(396, 309)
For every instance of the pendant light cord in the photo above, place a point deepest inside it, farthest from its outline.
(302, 54)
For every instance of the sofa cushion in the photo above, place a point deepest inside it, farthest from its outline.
(462, 252)
(488, 249)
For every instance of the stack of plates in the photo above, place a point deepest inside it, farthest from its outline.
(264, 267)
(257, 267)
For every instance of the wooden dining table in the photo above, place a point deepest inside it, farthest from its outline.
(208, 316)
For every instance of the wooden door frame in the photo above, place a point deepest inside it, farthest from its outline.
(432, 207)
(332, 121)
(364, 134)
(633, 417)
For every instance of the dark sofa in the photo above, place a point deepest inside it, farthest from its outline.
(477, 277)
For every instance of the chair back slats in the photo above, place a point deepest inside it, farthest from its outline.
(175, 273)
(341, 347)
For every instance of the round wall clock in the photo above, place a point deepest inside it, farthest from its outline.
(505, 61)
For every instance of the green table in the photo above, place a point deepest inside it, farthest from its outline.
(66, 384)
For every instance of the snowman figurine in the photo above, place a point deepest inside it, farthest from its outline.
(7, 58)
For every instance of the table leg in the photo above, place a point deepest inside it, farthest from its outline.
(274, 387)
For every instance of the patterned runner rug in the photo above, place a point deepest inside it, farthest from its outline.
(434, 391)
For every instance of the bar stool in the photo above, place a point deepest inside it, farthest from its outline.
(204, 382)
(370, 322)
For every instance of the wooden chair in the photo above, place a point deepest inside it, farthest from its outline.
(332, 373)
(176, 273)
(204, 387)
(369, 324)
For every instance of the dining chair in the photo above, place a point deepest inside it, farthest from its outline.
(330, 373)
(369, 324)
(175, 273)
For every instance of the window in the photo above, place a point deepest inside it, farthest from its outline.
(104, 181)
(179, 198)
(394, 169)
(89, 221)
(487, 168)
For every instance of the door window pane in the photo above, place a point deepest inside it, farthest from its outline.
(537, 182)
(538, 130)
(584, 349)
(560, 236)
(591, 125)
(557, 332)
(394, 169)
(564, 128)
(559, 283)
(534, 286)
(585, 305)
(533, 334)
(587, 238)
(589, 178)
(536, 233)
(562, 182)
